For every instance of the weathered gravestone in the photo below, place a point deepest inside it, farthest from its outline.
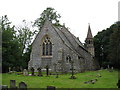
(22, 86)
(25, 72)
(39, 72)
(13, 84)
(32, 70)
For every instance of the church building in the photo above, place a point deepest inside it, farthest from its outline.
(57, 47)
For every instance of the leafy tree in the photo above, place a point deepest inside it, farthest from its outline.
(106, 45)
(114, 51)
(49, 13)
(10, 46)
(25, 35)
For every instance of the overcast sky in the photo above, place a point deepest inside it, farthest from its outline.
(76, 14)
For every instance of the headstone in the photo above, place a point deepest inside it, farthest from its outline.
(108, 66)
(13, 84)
(22, 85)
(51, 88)
(25, 72)
(9, 69)
(32, 70)
(47, 70)
(39, 72)
(112, 68)
(4, 87)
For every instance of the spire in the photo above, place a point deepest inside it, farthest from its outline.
(89, 34)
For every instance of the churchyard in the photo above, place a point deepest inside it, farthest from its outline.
(91, 79)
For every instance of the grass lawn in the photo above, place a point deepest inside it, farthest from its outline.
(108, 80)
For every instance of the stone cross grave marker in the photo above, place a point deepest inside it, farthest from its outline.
(25, 72)
(13, 84)
(47, 70)
(32, 70)
(22, 85)
(39, 72)
(72, 69)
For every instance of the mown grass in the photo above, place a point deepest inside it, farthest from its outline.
(108, 80)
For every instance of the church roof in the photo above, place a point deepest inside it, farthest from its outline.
(68, 38)
(89, 34)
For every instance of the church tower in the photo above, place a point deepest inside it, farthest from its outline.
(89, 41)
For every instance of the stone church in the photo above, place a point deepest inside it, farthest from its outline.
(57, 47)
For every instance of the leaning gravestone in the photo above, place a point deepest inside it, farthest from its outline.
(22, 86)
(13, 84)
(32, 70)
(25, 72)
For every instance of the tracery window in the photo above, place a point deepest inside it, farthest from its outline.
(46, 46)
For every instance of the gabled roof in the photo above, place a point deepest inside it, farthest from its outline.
(89, 34)
(67, 37)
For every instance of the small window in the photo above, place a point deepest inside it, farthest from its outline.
(68, 59)
(78, 57)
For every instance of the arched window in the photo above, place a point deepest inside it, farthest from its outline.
(46, 47)
(68, 59)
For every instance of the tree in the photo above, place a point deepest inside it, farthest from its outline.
(114, 51)
(51, 15)
(106, 45)
(25, 34)
(10, 46)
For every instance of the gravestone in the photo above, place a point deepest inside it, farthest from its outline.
(22, 85)
(51, 88)
(25, 72)
(111, 68)
(13, 84)
(108, 66)
(47, 70)
(32, 70)
(4, 87)
(9, 69)
(39, 72)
